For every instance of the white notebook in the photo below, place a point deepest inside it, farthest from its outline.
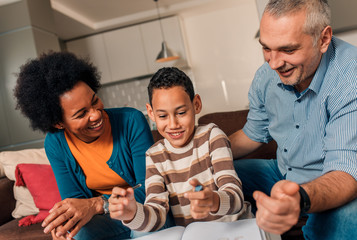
(246, 229)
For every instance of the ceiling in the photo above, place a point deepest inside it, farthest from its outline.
(91, 16)
(76, 18)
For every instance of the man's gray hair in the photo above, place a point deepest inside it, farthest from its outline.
(318, 13)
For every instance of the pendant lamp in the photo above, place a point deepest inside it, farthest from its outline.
(165, 54)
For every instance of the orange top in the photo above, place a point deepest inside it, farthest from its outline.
(93, 157)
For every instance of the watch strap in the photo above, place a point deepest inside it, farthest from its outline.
(305, 203)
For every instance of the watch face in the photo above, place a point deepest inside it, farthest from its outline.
(105, 205)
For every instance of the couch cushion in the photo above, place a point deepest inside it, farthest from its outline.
(7, 201)
(228, 122)
(11, 230)
(231, 122)
(9, 159)
(41, 182)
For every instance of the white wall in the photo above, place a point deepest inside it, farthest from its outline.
(222, 51)
(350, 37)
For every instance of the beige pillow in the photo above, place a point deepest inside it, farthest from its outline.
(25, 204)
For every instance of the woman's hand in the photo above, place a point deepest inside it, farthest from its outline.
(122, 204)
(202, 202)
(68, 216)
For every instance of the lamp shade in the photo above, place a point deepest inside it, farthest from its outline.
(166, 54)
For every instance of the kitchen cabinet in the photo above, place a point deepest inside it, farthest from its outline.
(93, 47)
(126, 54)
(16, 48)
(130, 52)
(26, 31)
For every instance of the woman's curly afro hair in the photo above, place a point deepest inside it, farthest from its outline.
(43, 80)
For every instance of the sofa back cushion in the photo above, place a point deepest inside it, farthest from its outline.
(7, 201)
(228, 122)
(233, 121)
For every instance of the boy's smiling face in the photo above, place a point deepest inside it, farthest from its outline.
(174, 114)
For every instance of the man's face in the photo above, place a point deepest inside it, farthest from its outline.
(289, 50)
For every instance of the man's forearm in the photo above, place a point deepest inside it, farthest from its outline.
(242, 145)
(331, 190)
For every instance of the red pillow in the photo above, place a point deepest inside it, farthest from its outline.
(41, 182)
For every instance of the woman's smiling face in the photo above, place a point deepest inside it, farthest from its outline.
(82, 113)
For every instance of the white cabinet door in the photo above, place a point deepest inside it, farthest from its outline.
(153, 38)
(126, 53)
(93, 48)
(131, 52)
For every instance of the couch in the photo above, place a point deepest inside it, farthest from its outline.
(229, 122)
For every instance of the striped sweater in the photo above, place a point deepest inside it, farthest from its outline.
(208, 158)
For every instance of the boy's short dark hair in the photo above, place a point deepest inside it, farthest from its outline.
(168, 77)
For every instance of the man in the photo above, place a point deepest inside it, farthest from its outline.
(305, 98)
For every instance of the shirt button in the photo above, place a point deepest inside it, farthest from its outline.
(297, 126)
(285, 150)
(289, 168)
(121, 173)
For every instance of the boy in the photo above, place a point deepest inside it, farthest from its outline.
(187, 157)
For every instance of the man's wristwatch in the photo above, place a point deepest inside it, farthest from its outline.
(105, 204)
(305, 203)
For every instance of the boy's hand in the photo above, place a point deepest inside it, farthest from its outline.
(122, 204)
(202, 202)
(54, 236)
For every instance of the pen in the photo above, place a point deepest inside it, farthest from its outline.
(135, 187)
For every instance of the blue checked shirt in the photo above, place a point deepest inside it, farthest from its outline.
(316, 130)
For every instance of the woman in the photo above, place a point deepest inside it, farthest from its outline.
(90, 149)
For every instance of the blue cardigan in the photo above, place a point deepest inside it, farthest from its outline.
(131, 138)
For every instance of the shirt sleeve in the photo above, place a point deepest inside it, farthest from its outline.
(257, 125)
(140, 140)
(152, 215)
(68, 185)
(225, 176)
(340, 141)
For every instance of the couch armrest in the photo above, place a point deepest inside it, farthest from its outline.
(7, 201)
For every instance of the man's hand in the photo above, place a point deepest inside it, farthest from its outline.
(279, 212)
(122, 204)
(202, 202)
(68, 216)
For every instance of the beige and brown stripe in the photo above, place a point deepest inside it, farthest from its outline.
(208, 158)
